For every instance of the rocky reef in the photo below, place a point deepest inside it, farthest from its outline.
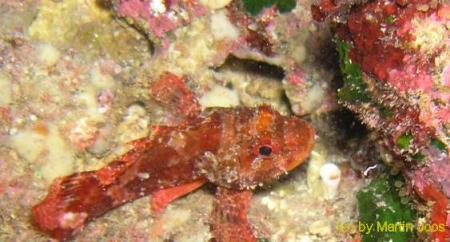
(279, 33)
(395, 62)
(77, 76)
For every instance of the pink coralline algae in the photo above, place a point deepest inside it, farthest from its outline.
(297, 76)
(381, 44)
(160, 16)
(446, 76)
(409, 76)
(383, 34)
(134, 8)
(402, 50)
(105, 99)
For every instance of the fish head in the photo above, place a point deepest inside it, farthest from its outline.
(257, 147)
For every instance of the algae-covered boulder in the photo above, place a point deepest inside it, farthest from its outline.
(395, 63)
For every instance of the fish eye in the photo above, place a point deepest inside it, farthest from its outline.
(265, 150)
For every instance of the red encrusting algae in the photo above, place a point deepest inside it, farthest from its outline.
(401, 48)
(439, 214)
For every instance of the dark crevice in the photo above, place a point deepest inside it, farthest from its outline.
(286, 100)
(253, 67)
(340, 128)
(348, 124)
(131, 27)
(104, 4)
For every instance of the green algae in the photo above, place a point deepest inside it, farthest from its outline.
(390, 19)
(418, 156)
(354, 88)
(380, 205)
(254, 7)
(285, 5)
(438, 144)
(385, 112)
(404, 141)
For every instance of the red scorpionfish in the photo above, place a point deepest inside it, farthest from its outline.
(236, 149)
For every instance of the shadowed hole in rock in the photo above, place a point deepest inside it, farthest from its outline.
(256, 69)
(253, 67)
(341, 129)
(104, 4)
(348, 126)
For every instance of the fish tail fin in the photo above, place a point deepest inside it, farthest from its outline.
(71, 202)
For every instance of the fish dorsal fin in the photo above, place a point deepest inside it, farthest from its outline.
(178, 100)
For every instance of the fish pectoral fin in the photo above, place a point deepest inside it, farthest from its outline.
(229, 216)
(160, 199)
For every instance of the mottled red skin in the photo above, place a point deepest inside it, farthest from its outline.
(179, 102)
(218, 145)
(230, 215)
